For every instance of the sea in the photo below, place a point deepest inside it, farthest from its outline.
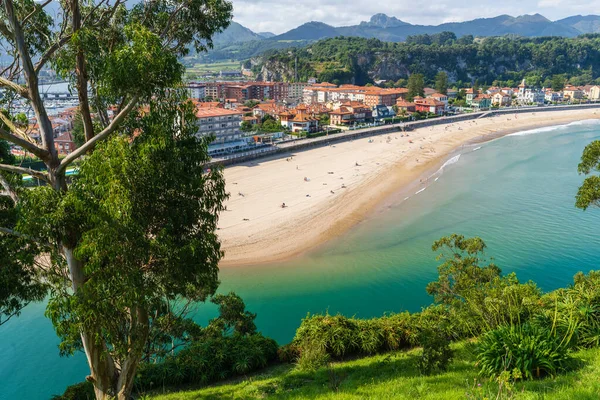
(517, 193)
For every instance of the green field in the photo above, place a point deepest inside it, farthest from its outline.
(214, 67)
(395, 376)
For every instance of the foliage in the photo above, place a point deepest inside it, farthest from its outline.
(506, 60)
(313, 357)
(574, 312)
(589, 192)
(79, 391)
(531, 350)
(436, 354)
(19, 279)
(233, 318)
(416, 85)
(395, 376)
(135, 230)
(441, 82)
(209, 360)
(288, 353)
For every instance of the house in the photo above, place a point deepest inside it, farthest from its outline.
(573, 92)
(586, 90)
(350, 114)
(299, 120)
(493, 90)
(405, 106)
(440, 97)
(382, 112)
(527, 95)
(470, 95)
(64, 144)
(429, 105)
(483, 101)
(553, 97)
(501, 99)
(594, 93)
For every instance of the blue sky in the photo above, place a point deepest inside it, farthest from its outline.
(279, 16)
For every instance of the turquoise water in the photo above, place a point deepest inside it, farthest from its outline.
(517, 193)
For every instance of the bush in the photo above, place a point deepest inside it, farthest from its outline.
(209, 360)
(288, 353)
(79, 391)
(312, 358)
(436, 352)
(339, 336)
(529, 349)
(575, 311)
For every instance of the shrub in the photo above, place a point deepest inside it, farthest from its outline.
(575, 311)
(436, 352)
(209, 360)
(339, 336)
(288, 353)
(529, 349)
(79, 391)
(312, 358)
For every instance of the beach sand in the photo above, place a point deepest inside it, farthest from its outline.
(337, 194)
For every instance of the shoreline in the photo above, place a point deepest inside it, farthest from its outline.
(268, 233)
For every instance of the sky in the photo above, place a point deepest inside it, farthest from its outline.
(279, 16)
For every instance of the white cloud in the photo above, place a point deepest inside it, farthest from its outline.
(279, 16)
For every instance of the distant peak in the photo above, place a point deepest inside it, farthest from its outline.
(383, 21)
(533, 18)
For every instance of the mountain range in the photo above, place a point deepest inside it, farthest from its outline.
(240, 43)
(392, 29)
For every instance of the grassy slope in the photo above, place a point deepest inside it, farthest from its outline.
(394, 376)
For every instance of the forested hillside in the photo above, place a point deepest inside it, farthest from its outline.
(503, 59)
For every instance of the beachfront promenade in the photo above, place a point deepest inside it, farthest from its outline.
(306, 143)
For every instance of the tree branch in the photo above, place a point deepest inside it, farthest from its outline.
(15, 87)
(23, 236)
(89, 145)
(37, 9)
(32, 80)
(30, 147)
(82, 78)
(11, 193)
(24, 171)
(50, 52)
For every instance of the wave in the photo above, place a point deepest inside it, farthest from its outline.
(556, 127)
(422, 190)
(477, 148)
(451, 161)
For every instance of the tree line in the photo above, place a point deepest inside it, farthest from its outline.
(504, 60)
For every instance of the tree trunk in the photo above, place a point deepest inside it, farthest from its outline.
(139, 336)
(102, 366)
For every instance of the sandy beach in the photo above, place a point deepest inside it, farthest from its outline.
(328, 190)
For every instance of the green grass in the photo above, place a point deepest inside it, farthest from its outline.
(215, 67)
(394, 376)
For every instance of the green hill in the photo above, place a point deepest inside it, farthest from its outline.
(394, 376)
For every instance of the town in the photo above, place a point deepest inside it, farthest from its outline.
(248, 115)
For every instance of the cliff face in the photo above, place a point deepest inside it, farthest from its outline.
(360, 61)
(274, 71)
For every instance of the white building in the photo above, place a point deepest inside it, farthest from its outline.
(527, 95)
(196, 90)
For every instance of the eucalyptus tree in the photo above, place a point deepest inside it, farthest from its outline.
(136, 227)
(589, 192)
